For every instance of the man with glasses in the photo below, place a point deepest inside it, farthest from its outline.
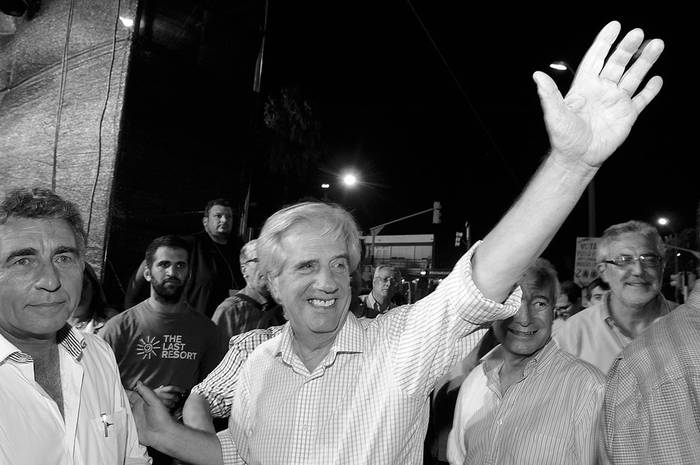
(630, 261)
(652, 394)
(384, 286)
(252, 307)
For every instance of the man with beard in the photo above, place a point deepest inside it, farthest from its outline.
(162, 341)
(213, 263)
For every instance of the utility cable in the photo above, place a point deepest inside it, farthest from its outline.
(464, 94)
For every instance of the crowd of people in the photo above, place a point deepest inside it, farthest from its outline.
(269, 352)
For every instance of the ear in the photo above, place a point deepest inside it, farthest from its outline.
(147, 273)
(273, 286)
(601, 269)
(205, 220)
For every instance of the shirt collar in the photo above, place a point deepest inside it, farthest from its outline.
(694, 297)
(371, 301)
(350, 339)
(606, 316)
(494, 359)
(68, 337)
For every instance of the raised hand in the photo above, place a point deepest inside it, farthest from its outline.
(601, 107)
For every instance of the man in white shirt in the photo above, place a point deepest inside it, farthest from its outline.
(331, 388)
(60, 393)
(528, 402)
(630, 259)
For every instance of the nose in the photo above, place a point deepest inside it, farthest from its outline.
(325, 281)
(224, 219)
(47, 278)
(523, 317)
(636, 267)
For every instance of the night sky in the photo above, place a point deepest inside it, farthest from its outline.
(416, 131)
(390, 109)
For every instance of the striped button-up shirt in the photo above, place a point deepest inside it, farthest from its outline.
(367, 401)
(219, 386)
(652, 398)
(551, 416)
(97, 428)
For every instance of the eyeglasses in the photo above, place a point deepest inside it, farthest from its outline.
(645, 260)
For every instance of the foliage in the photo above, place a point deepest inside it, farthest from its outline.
(294, 137)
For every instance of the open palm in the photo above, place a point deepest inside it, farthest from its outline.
(601, 107)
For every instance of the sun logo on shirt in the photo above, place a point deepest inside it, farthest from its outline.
(147, 348)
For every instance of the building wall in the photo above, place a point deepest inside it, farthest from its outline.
(60, 118)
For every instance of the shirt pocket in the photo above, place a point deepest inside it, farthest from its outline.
(111, 436)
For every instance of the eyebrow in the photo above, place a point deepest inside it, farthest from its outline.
(29, 251)
(22, 253)
(66, 249)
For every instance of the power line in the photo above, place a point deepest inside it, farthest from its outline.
(464, 94)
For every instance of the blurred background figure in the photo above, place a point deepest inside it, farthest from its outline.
(568, 301)
(92, 312)
(252, 307)
(385, 285)
(594, 292)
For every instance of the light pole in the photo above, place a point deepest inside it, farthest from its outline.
(324, 188)
(562, 66)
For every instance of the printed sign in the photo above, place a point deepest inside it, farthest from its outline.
(584, 266)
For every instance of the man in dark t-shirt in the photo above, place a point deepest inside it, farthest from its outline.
(162, 341)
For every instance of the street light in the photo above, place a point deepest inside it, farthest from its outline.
(662, 221)
(560, 66)
(350, 179)
(590, 190)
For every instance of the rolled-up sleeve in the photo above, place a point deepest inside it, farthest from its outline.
(430, 336)
(228, 448)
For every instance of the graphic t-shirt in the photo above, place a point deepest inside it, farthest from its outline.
(160, 348)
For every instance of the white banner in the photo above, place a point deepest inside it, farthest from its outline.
(584, 266)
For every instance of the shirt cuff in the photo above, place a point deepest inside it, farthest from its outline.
(491, 310)
(228, 448)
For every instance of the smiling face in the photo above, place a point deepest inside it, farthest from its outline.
(41, 274)
(634, 285)
(314, 283)
(528, 330)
